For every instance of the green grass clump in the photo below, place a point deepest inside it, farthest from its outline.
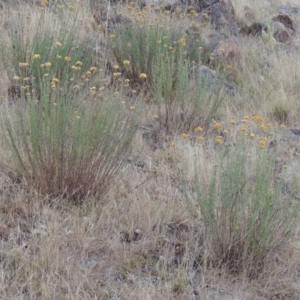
(67, 136)
(246, 213)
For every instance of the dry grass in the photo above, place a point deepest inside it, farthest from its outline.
(141, 241)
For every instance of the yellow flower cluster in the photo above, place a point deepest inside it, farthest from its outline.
(245, 119)
(182, 42)
(198, 129)
(58, 44)
(219, 139)
(262, 142)
(23, 65)
(184, 135)
(217, 126)
(257, 119)
(143, 76)
(36, 56)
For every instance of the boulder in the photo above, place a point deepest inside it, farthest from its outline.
(288, 10)
(227, 52)
(211, 80)
(288, 23)
(280, 32)
(253, 30)
(222, 16)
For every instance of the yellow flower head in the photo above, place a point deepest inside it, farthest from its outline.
(198, 129)
(23, 65)
(262, 127)
(78, 63)
(217, 126)
(55, 80)
(219, 140)
(36, 56)
(182, 42)
(257, 119)
(126, 62)
(16, 78)
(155, 117)
(201, 138)
(232, 122)
(143, 76)
(58, 44)
(252, 136)
(68, 58)
(93, 69)
(48, 64)
(173, 144)
(184, 135)
(245, 119)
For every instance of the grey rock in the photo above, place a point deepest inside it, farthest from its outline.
(212, 80)
(223, 17)
(289, 10)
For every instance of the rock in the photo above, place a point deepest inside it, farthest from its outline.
(253, 30)
(288, 23)
(108, 18)
(210, 43)
(104, 56)
(289, 10)
(280, 47)
(248, 14)
(223, 17)
(211, 80)
(294, 132)
(227, 52)
(137, 234)
(14, 93)
(198, 5)
(4, 232)
(280, 32)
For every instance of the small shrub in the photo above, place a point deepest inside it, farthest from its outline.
(143, 44)
(246, 214)
(183, 99)
(281, 114)
(164, 56)
(68, 137)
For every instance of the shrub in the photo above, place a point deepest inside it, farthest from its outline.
(69, 138)
(183, 98)
(246, 213)
(142, 44)
(166, 58)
